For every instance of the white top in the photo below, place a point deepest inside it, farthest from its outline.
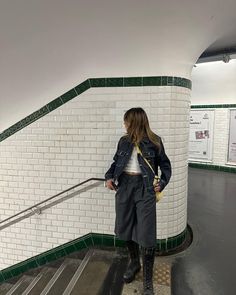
(133, 164)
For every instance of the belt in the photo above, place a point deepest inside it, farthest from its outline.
(132, 173)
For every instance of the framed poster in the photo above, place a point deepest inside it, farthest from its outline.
(232, 138)
(201, 135)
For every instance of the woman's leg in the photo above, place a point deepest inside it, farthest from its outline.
(148, 256)
(145, 233)
(125, 208)
(125, 219)
(134, 264)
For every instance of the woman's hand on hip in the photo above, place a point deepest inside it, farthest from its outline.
(157, 188)
(110, 184)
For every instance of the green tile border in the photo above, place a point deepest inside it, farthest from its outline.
(213, 106)
(94, 83)
(213, 167)
(87, 241)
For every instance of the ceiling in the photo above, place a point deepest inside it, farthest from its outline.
(49, 46)
(223, 45)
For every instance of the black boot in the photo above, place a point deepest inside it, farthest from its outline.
(148, 261)
(134, 264)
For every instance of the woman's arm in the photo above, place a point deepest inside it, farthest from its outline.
(165, 166)
(110, 172)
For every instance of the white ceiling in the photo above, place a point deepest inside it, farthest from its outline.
(49, 46)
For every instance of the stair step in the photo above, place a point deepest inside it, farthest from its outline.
(91, 274)
(62, 277)
(40, 281)
(74, 276)
(20, 285)
(4, 288)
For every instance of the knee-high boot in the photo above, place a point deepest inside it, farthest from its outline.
(148, 255)
(134, 265)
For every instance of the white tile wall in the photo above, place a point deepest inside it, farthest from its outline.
(75, 142)
(220, 138)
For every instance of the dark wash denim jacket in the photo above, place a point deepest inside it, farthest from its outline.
(155, 157)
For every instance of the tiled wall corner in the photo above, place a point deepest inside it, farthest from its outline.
(76, 141)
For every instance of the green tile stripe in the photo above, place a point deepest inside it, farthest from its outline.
(93, 83)
(213, 106)
(87, 241)
(213, 167)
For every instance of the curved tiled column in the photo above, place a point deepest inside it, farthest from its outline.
(169, 115)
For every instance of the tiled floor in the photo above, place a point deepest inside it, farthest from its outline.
(161, 279)
(136, 288)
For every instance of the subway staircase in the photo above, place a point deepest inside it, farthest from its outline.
(94, 272)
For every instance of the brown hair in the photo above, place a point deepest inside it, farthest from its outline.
(138, 127)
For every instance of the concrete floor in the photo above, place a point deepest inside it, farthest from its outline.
(208, 266)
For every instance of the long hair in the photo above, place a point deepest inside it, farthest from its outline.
(137, 126)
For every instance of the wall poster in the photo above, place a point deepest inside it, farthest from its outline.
(232, 137)
(201, 135)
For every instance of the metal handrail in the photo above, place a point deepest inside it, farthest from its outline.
(51, 198)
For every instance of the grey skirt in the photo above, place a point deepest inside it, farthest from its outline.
(135, 211)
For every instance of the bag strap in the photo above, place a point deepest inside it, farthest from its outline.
(140, 153)
(156, 178)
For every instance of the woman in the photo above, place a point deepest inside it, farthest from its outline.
(135, 205)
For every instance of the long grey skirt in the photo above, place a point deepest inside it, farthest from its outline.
(135, 211)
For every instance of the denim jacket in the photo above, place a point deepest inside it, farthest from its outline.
(155, 157)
